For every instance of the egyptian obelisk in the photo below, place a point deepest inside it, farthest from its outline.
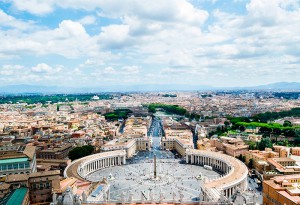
(154, 166)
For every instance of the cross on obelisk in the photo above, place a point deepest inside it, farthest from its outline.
(154, 166)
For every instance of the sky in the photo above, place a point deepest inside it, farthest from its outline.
(90, 43)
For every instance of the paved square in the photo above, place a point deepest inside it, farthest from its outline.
(136, 180)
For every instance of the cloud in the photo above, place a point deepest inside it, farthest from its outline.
(109, 70)
(40, 73)
(168, 10)
(87, 20)
(161, 38)
(130, 70)
(69, 39)
(11, 22)
(34, 6)
(44, 68)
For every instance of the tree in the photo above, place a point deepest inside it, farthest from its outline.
(287, 123)
(242, 158)
(251, 163)
(79, 152)
(242, 128)
(252, 145)
(226, 123)
(265, 143)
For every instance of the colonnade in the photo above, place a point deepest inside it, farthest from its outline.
(92, 165)
(216, 163)
(234, 178)
(82, 167)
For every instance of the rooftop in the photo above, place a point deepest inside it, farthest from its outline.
(13, 160)
(17, 197)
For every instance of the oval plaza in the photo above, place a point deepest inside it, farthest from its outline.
(160, 176)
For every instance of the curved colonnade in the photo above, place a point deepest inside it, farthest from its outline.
(81, 168)
(233, 179)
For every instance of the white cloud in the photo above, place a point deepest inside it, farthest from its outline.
(10, 21)
(87, 20)
(109, 70)
(69, 40)
(35, 6)
(130, 69)
(172, 34)
(44, 68)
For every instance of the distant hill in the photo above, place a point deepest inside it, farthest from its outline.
(280, 86)
(34, 89)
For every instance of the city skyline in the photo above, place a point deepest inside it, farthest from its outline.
(104, 43)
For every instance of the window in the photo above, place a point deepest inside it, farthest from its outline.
(15, 166)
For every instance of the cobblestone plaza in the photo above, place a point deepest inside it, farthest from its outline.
(175, 182)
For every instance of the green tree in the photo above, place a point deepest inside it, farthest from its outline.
(265, 143)
(252, 145)
(226, 123)
(242, 158)
(79, 152)
(287, 123)
(251, 163)
(242, 128)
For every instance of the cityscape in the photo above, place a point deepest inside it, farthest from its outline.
(149, 102)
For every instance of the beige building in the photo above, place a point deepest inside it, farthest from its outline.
(260, 158)
(133, 139)
(40, 184)
(130, 145)
(178, 144)
(177, 137)
(282, 190)
(59, 151)
(231, 146)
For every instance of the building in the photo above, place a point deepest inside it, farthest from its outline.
(134, 137)
(59, 151)
(260, 158)
(4, 189)
(177, 137)
(52, 164)
(131, 145)
(295, 151)
(231, 146)
(282, 190)
(40, 185)
(178, 144)
(282, 166)
(282, 150)
(16, 197)
(17, 160)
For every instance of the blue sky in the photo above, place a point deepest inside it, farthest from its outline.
(82, 43)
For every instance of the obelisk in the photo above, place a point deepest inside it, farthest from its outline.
(154, 166)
